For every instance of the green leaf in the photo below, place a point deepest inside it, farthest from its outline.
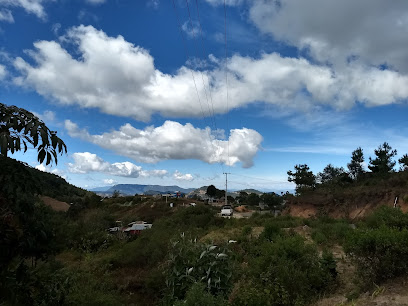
(48, 158)
(41, 156)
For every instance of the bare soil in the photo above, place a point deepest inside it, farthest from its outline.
(55, 204)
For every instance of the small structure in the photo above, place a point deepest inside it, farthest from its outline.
(135, 228)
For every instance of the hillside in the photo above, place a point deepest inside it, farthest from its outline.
(352, 200)
(15, 173)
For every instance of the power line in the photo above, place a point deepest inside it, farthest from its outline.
(226, 76)
(204, 52)
(261, 179)
(202, 75)
(187, 56)
(192, 74)
(209, 86)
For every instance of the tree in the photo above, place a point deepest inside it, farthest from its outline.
(26, 225)
(403, 161)
(242, 198)
(272, 199)
(211, 191)
(330, 174)
(19, 127)
(356, 165)
(302, 177)
(383, 163)
(253, 199)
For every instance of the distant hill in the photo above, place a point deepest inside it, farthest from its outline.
(249, 191)
(131, 189)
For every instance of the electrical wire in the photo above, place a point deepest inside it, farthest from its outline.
(226, 78)
(192, 74)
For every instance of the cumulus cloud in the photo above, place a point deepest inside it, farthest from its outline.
(48, 169)
(30, 6)
(46, 116)
(370, 31)
(109, 182)
(120, 78)
(182, 177)
(86, 162)
(175, 141)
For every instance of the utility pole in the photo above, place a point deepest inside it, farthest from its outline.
(226, 187)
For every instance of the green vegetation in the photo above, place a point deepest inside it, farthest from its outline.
(191, 256)
(19, 127)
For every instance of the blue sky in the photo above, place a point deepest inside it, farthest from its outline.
(138, 90)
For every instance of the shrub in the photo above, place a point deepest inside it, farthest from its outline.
(191, 262)
(286, 272)
(387, 216)
(330, 233)
(197, 295)
(380, 253)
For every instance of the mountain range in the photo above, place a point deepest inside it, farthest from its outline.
(132, 189)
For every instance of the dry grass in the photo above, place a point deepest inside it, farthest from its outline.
(55, 204)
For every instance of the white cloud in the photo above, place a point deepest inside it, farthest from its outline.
(373, 32)
(46, 116)
(182, 177)
(3, 72)
(48, 169)
(173, 141)
(30, 6)
(109, 182)
(120, 78)
(86, 162)
(55, 28)
(5, 15)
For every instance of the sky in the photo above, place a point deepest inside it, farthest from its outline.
(179, 92)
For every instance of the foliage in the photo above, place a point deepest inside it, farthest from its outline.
(253, 199)
(383, 162)
(380, 253)
(242, 198)
(356, 165)
(302, 177)
(285, 272)
(330, 174)
(272, 199)
(197, 295)
(19, 127)
(403, 161)
(191, 262)
(387, 216)
(115, 194)
(330, 233)
(211, 191)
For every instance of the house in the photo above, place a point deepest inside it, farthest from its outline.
(135, 228)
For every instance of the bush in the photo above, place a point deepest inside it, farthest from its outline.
(387, 216)
(197, 295)
(380, 253)
(286, 272)
(330, 233)
(192, 262)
